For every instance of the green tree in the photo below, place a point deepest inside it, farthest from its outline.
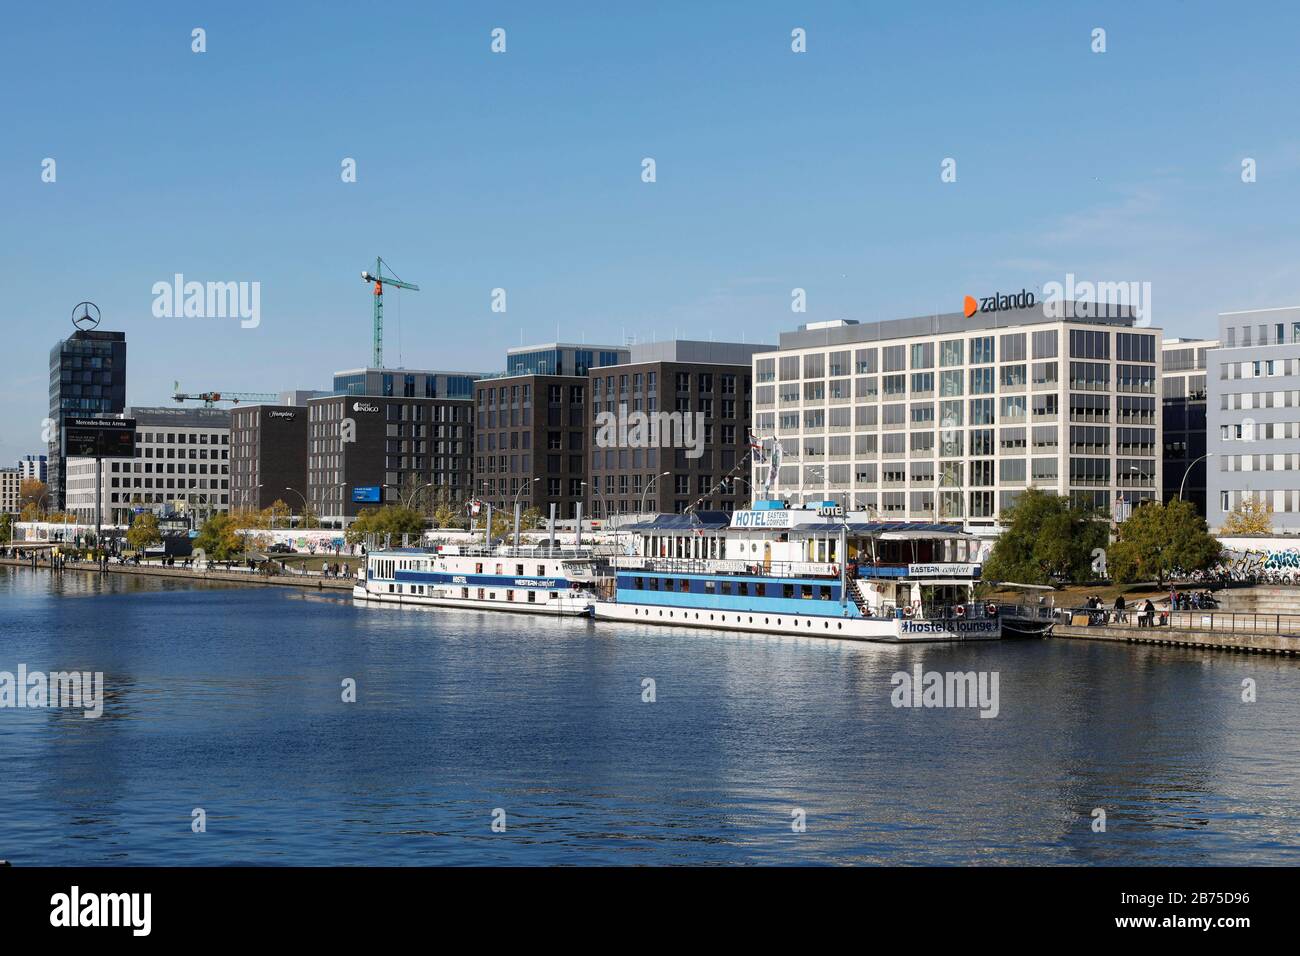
(143, 532)
(1047, 538)
(219, 538)
(1159, 538)
(6, 527)
(392, 520)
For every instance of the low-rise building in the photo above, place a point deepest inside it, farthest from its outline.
(181, 466)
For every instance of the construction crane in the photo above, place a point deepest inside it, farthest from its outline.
(378, 278)
(211, 398)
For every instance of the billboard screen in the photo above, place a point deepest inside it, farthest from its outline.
(366, 494)
(99, 438)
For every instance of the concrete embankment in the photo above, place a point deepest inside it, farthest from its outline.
(315, 581)
(1254, 641)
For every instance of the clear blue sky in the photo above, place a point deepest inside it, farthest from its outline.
(522, 171)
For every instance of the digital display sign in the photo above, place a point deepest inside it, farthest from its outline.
(366, 494)
(99, 437)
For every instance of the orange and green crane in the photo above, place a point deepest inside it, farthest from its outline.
(380, 280)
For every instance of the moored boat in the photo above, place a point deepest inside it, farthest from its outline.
(815, 571)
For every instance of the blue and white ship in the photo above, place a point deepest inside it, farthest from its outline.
(529, 580)
(815, 571)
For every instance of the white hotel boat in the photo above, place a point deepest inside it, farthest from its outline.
(529, 580)
(784, 571)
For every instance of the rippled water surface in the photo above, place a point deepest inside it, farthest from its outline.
(229, 699)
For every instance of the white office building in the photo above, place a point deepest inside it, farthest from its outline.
(181, 466)
(1253, 429)
(946, 417)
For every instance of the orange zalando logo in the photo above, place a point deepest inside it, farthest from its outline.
(970, 306)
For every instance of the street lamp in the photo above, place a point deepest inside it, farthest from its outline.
(1183, 483)
(650, 484)
(304, 502)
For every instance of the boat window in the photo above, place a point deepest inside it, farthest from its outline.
(532, 597)
(519, 569)
(826, 593)
(638, 583)
(478, 567)
(787, 590)
(760, 589)
(742, 587)
(708, 587)
(726, 587)
(806, 591)
(554, 595)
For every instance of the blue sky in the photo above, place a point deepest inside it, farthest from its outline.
(522, 171)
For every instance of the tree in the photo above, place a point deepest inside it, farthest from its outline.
(1251, 516)
(309, 517)
(1159, 538)
(219, 538)
(143, 532)
(6, 527)
(31, 491)
(392, 520)
(1047, 538)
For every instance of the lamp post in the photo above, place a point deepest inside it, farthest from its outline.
(1182, 484)
(650, 484)
(304, 502)
(416, 491)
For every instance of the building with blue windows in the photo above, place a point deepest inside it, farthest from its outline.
(559, 358)
(405, 383)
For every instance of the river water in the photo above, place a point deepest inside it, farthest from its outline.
(755, 749)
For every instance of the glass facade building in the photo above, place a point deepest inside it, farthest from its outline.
(87, 378)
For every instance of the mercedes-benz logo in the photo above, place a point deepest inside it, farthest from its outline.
(85, 321)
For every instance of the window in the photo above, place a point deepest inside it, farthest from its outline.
(950, 353)
(1089, 345)
(1013, 347)
(1045, 344)
(981, 350)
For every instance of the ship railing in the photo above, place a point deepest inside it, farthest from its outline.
(532, 553)
(775, 569)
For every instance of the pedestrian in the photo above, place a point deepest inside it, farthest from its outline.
(1120, 616)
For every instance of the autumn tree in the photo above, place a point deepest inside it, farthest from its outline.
(1251, 516)
(143, 532)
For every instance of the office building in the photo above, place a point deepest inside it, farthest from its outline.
(181, 467)
(1182, 412)
(268, 456)
(559, 358)
(404, 383)
(953, 417)
(34, 468)
(530, 442)
(670, 429)
(11, 480)
(1253, 428)
(363, 451)
(87, 378)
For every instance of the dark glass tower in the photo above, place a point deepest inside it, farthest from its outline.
(87, 377)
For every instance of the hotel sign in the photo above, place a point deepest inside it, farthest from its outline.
(760, 519)
(942, 570)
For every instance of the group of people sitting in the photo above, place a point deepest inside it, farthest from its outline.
(1144, 611)
(1192, 600)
